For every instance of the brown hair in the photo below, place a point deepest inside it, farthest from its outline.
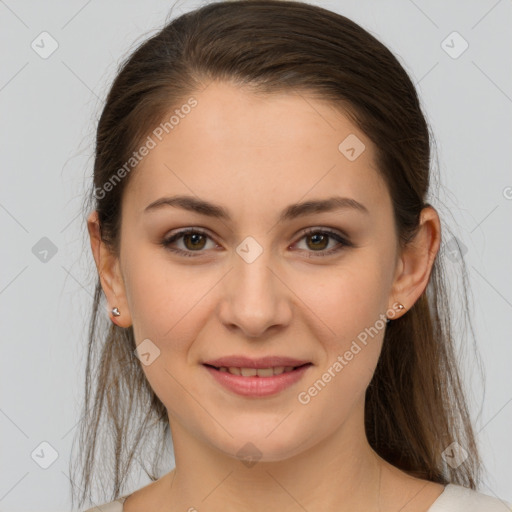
(415, 405)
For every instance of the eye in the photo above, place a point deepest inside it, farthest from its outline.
(317, 240)
(193, 240)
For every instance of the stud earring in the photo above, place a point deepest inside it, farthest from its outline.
(115, 312)
(400, 307)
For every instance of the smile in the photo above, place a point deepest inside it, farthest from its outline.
(260, 372)
(257, 382)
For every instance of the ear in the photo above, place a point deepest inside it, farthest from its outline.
(108, 268)
(415, 261)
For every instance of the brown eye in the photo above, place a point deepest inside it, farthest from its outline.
(318, 241)
(194, 241)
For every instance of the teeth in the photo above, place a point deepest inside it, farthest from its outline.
(247, 372)
(264, 372)
(260, 372)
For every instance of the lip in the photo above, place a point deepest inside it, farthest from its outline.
(258, 387)
(240, 361)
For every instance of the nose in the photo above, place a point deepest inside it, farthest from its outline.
(255, 299)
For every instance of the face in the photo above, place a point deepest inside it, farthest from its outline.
(265, 279)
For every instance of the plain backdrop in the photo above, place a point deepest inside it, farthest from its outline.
(58, 60)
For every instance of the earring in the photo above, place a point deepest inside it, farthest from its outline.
(400, 307)
(115, 312)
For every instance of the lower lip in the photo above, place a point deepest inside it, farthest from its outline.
(257, 386)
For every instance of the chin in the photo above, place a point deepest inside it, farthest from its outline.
(253, 442)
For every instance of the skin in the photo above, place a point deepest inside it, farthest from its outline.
(254, 155)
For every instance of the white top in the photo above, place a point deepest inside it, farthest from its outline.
(454, 498)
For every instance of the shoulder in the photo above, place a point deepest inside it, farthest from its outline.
(456, 498)
(113, 506)
(147, 496)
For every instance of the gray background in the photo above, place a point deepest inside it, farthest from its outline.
(49, 107)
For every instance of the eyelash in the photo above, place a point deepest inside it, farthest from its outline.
(166, 243)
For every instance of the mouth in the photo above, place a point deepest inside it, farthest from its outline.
(258, 380)
(257, 372)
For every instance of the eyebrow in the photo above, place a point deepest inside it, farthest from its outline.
(291, 212)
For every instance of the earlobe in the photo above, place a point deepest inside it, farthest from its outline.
(417, 259)
(107, 265)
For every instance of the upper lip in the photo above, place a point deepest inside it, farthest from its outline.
(261, 362)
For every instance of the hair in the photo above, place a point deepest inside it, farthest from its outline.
(415, 403)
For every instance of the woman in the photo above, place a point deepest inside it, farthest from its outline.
(270, 268)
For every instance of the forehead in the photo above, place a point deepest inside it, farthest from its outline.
(255, 151)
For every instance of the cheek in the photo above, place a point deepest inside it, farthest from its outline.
(166, 307)
(348, 298)
(164, 299)
(348, 318)
(351, 305)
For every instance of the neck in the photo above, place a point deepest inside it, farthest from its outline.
(341, 473)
